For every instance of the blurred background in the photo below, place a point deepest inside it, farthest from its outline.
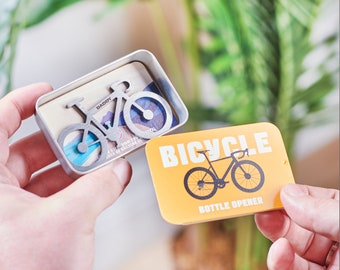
(232, 62)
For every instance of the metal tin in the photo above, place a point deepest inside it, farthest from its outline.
(110, 112)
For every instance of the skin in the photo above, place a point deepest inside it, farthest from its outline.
(47, 219)
(304, 231)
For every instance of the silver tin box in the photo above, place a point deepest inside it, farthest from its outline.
(110, 112)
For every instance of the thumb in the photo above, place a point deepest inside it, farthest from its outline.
(315, 209)
(94, 192)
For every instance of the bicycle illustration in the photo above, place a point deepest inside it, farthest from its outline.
(202, 183)
(145, 114)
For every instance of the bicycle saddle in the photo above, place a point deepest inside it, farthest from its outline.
(202, 151)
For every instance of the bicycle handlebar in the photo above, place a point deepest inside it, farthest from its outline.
(244, 152)
(122, 86)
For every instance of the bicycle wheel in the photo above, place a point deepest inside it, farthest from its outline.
(147, 114)
(247, 176)
(200, 183)
(87, 155)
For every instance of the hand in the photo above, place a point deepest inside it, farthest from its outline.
(47, 219)
(304, 232)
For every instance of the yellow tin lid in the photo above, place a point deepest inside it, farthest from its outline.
(219, 173)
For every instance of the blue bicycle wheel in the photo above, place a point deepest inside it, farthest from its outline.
(93, 149)
(147, 114)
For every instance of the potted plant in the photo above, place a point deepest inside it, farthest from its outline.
(254, 52)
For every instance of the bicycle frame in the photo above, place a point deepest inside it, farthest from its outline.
(117, 95)
(232, 163)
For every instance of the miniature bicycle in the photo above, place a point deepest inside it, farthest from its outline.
(202, 183)
(138, 112)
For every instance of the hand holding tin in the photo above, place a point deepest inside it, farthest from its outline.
(306, 233)
(40, 205)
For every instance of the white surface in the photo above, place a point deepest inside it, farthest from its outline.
(70, 44)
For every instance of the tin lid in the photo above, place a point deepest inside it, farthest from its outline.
(219, 173)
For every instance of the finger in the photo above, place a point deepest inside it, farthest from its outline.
(272, 224)
(94, 192)
(277, 224)
(15, 107)
(29, 155)
(281, 256)
(49, 182)
(312, 208)
(20, 104)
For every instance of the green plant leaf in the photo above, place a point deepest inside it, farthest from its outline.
(10, 27)
(39, 10)
(255, 51)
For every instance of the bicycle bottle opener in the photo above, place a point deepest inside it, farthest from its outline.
(110, 112)
(219, 173)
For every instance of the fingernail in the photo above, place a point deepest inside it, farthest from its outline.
(294, 190)
(122, 169)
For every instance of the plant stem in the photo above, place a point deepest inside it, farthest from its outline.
(167, 47)
(244, 235)
(287, 86)
(193, 50)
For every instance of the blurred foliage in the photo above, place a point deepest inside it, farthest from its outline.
(16, 15)
(9, 30)
(255, 51)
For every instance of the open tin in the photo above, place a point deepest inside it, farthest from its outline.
(110, 112)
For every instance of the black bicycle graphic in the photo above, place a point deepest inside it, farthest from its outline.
(202, 183)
